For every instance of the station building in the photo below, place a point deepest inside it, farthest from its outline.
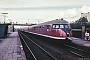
(87, 15)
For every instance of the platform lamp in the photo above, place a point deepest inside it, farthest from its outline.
(4, 16)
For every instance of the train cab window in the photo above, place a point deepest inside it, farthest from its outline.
(66, 26)
(53, 26)
(61, 26)
(57, 26)
(69, 26)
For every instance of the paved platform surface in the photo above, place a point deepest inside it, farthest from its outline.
(81, 42)
(10, 48)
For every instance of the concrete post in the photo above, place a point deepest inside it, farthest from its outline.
(83, 32)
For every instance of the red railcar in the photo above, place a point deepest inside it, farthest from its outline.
(56, 29)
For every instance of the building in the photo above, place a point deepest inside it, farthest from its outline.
(3, 30)
(87, 15)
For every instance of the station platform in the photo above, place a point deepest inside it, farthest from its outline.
(10, 48)
(81, 42)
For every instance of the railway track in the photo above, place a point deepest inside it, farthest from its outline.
(34, 52)
(59, 52)
(78, 52)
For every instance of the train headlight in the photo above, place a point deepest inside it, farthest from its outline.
(68, 33)
(61, 34)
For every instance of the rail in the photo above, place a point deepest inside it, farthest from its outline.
(37, 52)
(78, 52)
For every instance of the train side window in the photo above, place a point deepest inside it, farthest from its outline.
(47, 26)
(40, 28)
(34, 28)
(43, 28)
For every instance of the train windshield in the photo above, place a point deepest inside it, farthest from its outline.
(58, 26)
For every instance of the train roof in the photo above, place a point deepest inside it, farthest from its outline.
(57, 21)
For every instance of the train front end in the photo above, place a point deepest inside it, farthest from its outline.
(63, 31)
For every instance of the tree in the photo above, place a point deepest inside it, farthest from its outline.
(82, 20)
(78, 23)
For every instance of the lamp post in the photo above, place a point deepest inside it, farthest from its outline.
(4, 16)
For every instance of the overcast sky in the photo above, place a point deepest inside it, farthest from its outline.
(34, 11)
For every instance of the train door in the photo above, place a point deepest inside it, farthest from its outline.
(48, 29)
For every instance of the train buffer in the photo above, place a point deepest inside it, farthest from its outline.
(10, 48)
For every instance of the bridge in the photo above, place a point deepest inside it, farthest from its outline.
(6, 28)
(25, 24)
